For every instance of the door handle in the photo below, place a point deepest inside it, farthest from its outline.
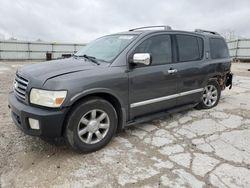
(171, 71)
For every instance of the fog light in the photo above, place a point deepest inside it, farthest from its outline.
(34, 124)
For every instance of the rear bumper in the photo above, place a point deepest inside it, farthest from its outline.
(229, 80)
(50, 120)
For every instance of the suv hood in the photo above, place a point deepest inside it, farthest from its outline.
(51, 69)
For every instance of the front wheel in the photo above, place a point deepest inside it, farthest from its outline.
(91, 125)
(211, 96)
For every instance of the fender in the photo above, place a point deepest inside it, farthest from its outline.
(124, 108)
(93, 91)
(212, 77)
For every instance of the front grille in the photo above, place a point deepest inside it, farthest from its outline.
(20, 87)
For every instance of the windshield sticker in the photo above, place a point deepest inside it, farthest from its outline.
(126, 37)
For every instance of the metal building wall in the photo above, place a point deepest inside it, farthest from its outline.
(239, 49)
(23, 50)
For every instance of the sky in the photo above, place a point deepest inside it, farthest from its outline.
(81, 21)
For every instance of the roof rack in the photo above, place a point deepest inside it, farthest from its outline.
(165, 27)
(206, 31)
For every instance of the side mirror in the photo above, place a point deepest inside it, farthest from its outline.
(142, 58)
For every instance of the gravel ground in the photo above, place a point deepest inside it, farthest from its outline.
(194, 148)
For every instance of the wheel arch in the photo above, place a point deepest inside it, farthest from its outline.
(220, 79)
(103, 94)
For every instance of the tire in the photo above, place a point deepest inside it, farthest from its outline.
(96, 117)
(210, 96)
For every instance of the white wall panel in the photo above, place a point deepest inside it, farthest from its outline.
(239, 49)
(38, 55)
(244, 44)
(13, 46)
(243, 52)
(232, 52)
(41, 47)
(16, 50)
(232, 44)
(63, 48)
(14, 55)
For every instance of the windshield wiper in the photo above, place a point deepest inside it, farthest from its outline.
(90, 58)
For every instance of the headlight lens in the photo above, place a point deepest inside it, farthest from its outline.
(47, 98)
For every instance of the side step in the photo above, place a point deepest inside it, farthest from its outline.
(159, 115)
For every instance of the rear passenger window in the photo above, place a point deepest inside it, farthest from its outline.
(159, 47)
(190, 48)
(218, 48)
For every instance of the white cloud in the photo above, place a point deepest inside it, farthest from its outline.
(84, 20)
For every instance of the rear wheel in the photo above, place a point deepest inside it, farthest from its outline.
(211, 96)
(91, 125)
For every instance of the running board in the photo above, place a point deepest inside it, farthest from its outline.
(159, 115)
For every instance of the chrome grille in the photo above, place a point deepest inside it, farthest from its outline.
(20, 87)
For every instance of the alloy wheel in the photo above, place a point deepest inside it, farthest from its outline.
(210, 95)
(93, 126)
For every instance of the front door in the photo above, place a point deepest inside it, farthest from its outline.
(153, 88)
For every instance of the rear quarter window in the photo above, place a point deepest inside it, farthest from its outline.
(218, 48)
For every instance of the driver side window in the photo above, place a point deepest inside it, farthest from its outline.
(159, 47)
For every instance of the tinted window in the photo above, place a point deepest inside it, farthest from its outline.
(190, 48)
(159, 47)
(218, 48)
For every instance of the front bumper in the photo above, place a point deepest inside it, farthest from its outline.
(50, 120)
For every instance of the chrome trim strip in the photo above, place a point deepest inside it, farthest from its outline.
(22, 86)
(150, 101)
(19, 95)
(21, 80)
(20, 91)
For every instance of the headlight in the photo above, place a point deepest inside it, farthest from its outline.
(47, 98)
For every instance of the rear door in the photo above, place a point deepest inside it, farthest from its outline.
(190, 67)
(152, 88)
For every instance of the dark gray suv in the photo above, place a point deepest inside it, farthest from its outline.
(120, 80)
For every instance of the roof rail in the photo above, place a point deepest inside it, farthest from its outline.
(165, 27)
(206, 31)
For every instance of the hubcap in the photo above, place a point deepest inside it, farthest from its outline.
(93, 126)
(210, 95)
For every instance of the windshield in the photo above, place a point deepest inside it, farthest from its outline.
(106, 48)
